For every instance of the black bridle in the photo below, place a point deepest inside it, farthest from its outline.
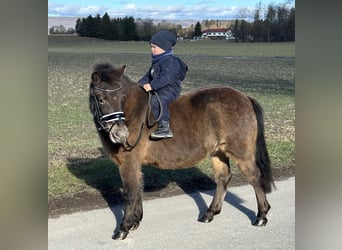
(99, 118)
(119, 116)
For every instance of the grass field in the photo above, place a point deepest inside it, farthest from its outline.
(76, 161)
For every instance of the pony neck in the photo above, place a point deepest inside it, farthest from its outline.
(136, 102)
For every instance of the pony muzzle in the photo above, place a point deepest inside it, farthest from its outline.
(118, 133)
(114, 124)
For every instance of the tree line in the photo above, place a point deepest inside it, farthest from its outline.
(121, 29)
(276, 24)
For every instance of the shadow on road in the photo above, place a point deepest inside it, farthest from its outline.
(101, 174)
(230, 198)
(202, 206)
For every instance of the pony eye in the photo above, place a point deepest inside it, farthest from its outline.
(101, 101)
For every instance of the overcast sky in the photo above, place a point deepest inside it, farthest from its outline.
(158, 9)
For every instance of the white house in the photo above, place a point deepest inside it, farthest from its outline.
(217, 34)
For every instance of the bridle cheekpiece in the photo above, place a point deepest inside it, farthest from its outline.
(99, 118)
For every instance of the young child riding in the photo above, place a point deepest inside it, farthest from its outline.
(163, 77)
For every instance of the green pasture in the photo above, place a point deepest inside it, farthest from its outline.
(76, 161)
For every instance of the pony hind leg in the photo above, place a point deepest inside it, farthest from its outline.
(251, 171)
(223, 175)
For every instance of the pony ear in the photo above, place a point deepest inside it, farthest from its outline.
(120, 71)
(96, 77)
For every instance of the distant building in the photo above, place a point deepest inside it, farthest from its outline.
(217, 34)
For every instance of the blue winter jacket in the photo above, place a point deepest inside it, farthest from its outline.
(166, 72)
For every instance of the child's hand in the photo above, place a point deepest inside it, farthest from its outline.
(147, 87)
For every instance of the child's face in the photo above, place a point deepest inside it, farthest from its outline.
(156, 50)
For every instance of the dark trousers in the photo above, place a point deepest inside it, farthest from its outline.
(166, 96)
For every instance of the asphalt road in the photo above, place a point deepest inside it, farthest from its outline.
(171, 223)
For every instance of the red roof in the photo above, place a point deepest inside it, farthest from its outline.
(215, 30)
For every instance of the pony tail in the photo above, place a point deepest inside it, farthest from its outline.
(262, 158)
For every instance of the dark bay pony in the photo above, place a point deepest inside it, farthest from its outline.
(219, 121)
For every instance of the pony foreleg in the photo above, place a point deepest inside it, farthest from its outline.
(133, 210)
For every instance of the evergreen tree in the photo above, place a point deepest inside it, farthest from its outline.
(129, 29)
(236, 30)
(91, 27)
(198, 29)
(106, 30)
(116, 29)
(81, 27)
(244, 27)
(98, 22)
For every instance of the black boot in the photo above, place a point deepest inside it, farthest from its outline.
(163, 131)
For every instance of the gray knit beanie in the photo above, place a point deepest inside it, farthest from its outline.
(164, 39)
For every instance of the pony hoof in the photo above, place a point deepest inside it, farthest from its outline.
(119, 235)
(205, 219)
(135, 226)
(259, 222)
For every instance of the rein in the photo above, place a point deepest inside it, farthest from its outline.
(148, 113)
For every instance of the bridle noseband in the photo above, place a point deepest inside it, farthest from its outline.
(99, 118)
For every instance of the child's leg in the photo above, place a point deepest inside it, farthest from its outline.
(163, 130)
(156, 107)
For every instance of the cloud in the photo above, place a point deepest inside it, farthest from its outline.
(130, 7)
(89, 9)
(74, 10)
(199, 11)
